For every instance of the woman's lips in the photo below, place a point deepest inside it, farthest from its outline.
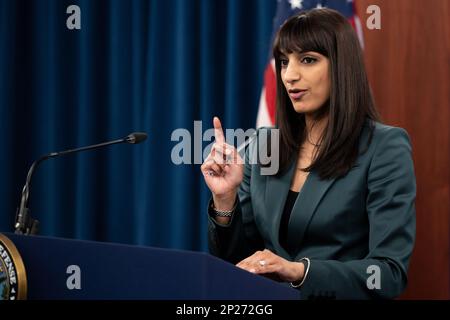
(296, 94)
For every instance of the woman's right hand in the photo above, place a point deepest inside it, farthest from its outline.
(223, 170)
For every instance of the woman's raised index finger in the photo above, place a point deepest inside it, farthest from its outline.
(218, 131)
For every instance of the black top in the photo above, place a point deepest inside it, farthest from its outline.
(284, 223)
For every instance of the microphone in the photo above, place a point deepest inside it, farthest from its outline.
(24, 224)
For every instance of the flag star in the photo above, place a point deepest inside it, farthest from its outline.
(296, 4)
(319, 6)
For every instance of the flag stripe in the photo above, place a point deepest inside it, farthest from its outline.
(271, 90)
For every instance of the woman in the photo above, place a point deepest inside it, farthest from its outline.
(338, 219)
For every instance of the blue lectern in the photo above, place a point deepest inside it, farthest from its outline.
(115, 271)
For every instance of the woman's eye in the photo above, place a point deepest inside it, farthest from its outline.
(308, 60)
(284, 62)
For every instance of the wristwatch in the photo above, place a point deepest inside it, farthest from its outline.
(223, 213)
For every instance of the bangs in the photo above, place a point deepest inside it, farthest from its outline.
(300, 34)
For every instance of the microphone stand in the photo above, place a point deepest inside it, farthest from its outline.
(25, 224)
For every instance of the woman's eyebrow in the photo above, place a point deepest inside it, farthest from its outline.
(309, 52)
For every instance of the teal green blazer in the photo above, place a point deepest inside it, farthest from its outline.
(345, 226)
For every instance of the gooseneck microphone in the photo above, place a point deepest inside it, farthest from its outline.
(24, 224)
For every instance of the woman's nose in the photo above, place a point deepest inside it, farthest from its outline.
(292, 74)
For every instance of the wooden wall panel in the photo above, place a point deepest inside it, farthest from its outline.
(408, 67)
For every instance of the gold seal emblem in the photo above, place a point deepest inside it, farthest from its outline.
(13, 279)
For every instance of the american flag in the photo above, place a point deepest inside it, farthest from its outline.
(285, 9)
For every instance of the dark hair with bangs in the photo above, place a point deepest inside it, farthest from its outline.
(350, 104)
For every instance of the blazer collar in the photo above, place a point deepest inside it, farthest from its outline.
(277, 189)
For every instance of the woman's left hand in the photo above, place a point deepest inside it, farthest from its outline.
(269, 264)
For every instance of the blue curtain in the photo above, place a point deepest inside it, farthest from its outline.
(151, 66)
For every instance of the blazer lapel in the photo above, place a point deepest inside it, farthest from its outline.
(275, 197)
(307, 201)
